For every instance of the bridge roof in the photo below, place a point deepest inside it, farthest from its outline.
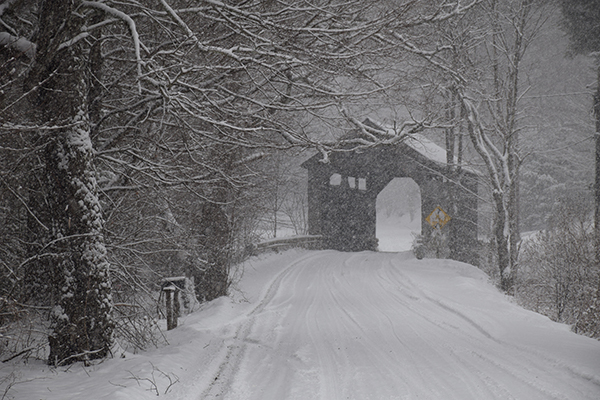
(416, 146)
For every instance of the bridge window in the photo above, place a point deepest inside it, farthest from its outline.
(352, 182)
(335, 180)
(362, 184)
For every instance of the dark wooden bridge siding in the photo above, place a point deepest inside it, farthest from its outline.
(345, 214)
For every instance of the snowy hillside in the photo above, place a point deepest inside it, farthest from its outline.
(328, 325)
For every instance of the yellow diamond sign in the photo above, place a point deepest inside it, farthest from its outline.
(438, 218)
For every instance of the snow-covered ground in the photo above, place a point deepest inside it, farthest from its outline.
(329, 325)
(397, 233)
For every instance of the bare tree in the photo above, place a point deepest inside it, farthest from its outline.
(82, 325)
(150, 114)
(490, 104)
(177, 98)
(502, 156)
(581, 20)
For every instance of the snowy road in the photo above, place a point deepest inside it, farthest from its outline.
(324, 325)
(385, 326)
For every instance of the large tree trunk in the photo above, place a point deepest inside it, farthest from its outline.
(81, 318)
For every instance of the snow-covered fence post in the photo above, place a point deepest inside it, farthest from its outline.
(170, 295)
(171, 287)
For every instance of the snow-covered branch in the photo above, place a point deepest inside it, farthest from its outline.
(4, 6)
(19, 44)
(132, 28)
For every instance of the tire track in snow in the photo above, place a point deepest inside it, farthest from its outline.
(233, 350)
(409, 337)
(361, 326)
(508, 357)
(439, 369)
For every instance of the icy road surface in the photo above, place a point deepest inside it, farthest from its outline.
(385, 326)
(327, 326)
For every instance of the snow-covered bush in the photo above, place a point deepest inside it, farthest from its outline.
(558, 276)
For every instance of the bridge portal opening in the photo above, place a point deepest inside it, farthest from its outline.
(398, 215)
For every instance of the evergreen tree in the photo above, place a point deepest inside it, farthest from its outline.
(582, 24)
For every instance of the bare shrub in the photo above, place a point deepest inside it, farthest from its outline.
(558, 276)
(24, 335)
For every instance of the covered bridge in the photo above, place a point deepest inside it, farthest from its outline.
(342, 194)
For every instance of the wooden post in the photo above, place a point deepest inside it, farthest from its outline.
(176, 306)
(171, 315)
(172, 286)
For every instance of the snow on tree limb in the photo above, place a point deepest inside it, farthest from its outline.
(71, 42)
(4, 6)
(132, 27)
(18, 43)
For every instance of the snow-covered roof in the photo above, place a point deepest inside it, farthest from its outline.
(426, 147)
(416, 141)
(421, 144)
